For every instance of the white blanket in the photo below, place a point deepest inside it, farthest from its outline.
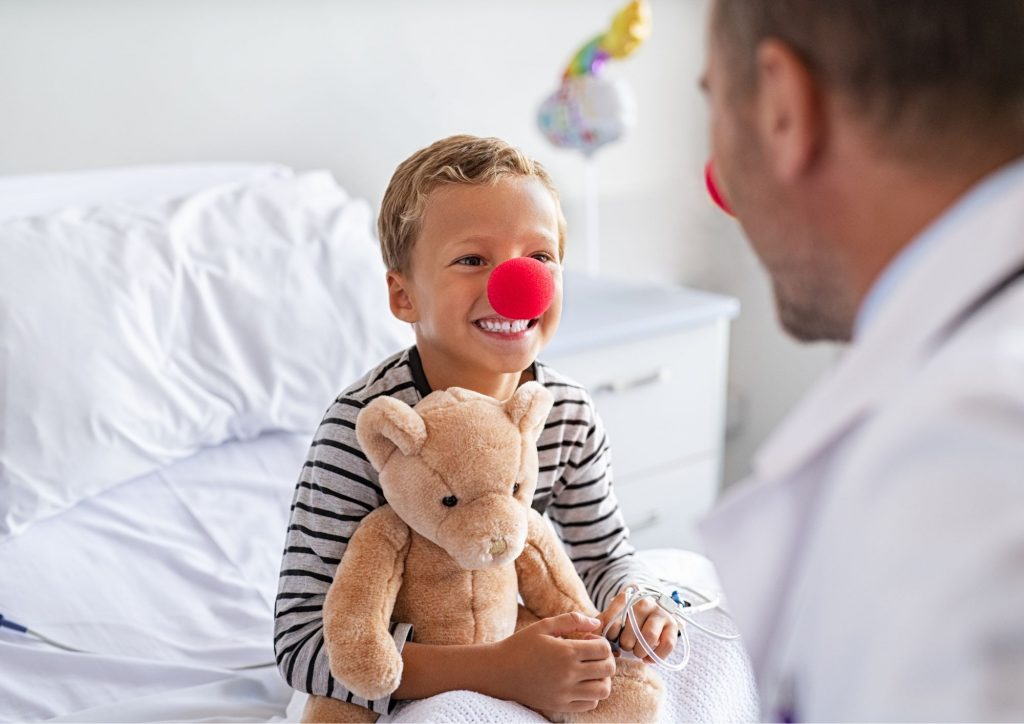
(717, 685)
(172, 577)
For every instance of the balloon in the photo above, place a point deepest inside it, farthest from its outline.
(630, 27)
(588, 110)
(520, 288)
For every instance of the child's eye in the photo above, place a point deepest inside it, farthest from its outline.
(470, 261)
(543, 257)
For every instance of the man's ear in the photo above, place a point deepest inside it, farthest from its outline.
(402, 303)
(386, 425)
(529, 408)
(789, 112)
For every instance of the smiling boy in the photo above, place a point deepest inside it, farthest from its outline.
(452, 213)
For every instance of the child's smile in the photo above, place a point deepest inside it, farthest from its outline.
(467, 231)
(506, 330)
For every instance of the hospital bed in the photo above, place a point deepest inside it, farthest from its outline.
(169, 339)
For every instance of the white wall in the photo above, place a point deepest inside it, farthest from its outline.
(355, 86)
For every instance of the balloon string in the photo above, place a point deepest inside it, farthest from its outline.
(591, 210)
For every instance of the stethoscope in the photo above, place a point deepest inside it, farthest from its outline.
(683, 610)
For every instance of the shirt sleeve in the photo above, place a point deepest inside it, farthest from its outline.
(337, 488)
(586, 516)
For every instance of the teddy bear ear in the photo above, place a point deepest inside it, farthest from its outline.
(529, 408)
(386, 425)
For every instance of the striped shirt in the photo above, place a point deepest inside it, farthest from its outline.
(338, 487)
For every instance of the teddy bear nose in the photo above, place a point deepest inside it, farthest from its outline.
(498, 546)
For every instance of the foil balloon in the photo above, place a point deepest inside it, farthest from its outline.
(589, 110)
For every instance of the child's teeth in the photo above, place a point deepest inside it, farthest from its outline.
(504, 326)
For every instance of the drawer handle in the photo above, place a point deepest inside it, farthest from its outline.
(662, 374)
(651, 520)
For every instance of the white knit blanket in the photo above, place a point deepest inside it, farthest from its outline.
(716, 686)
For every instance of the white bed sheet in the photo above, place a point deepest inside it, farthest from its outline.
(172, 577)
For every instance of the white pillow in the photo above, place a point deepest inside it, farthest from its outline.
(44, 193)
(133, 335)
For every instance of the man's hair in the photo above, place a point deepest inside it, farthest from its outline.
(459, 159)
(917, 68)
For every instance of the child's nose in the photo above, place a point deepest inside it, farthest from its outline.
(520, 288)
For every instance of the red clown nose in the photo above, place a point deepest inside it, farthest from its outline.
(716, 195)
(520, 288)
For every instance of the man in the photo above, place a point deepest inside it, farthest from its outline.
(873, 151)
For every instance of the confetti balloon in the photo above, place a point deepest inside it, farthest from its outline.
(587, 112)
(588, 109)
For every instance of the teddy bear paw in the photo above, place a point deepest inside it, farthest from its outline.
(370, 669)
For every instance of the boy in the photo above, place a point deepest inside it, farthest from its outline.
(451, 213)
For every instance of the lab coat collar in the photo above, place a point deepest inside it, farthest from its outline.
(977, 252)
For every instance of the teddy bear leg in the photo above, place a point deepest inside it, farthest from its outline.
(327, 709)
(637, 696)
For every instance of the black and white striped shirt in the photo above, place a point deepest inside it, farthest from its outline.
(338, 487)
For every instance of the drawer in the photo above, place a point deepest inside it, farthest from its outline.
(662, 508)
(661, 397)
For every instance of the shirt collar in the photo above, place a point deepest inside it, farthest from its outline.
(423, 385)
(961, 212)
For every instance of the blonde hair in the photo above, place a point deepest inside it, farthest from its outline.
(461, 159)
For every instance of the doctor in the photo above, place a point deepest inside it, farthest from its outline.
(873, 152)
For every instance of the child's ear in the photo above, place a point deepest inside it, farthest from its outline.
(402, 305)
(529, 408)
(386, 425)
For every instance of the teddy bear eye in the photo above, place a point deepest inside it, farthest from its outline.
(450, 501)
(515, 488)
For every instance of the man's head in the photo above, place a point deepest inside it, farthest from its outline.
(841, 127)
(452, 213)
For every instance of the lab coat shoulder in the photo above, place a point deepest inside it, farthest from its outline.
(960, 414)
(923, 534)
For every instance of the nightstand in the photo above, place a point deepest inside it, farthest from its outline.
(654, 359)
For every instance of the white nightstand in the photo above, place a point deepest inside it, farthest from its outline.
(654, 359)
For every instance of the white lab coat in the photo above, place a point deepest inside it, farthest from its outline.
(874, 561)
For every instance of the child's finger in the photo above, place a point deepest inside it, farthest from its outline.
(667, 642)
(651, 630)
(627, 638)
(611, 628)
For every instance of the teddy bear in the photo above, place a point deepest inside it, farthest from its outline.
(454, 547)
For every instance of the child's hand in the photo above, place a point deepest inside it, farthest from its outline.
(544, 671)
(659, 629)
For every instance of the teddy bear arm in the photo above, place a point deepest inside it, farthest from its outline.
(357, 612)
(548, 582)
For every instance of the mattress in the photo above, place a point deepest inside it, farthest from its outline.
(169, 580)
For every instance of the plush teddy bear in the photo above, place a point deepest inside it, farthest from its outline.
(455, 544)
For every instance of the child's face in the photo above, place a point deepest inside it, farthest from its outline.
(467, 231)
